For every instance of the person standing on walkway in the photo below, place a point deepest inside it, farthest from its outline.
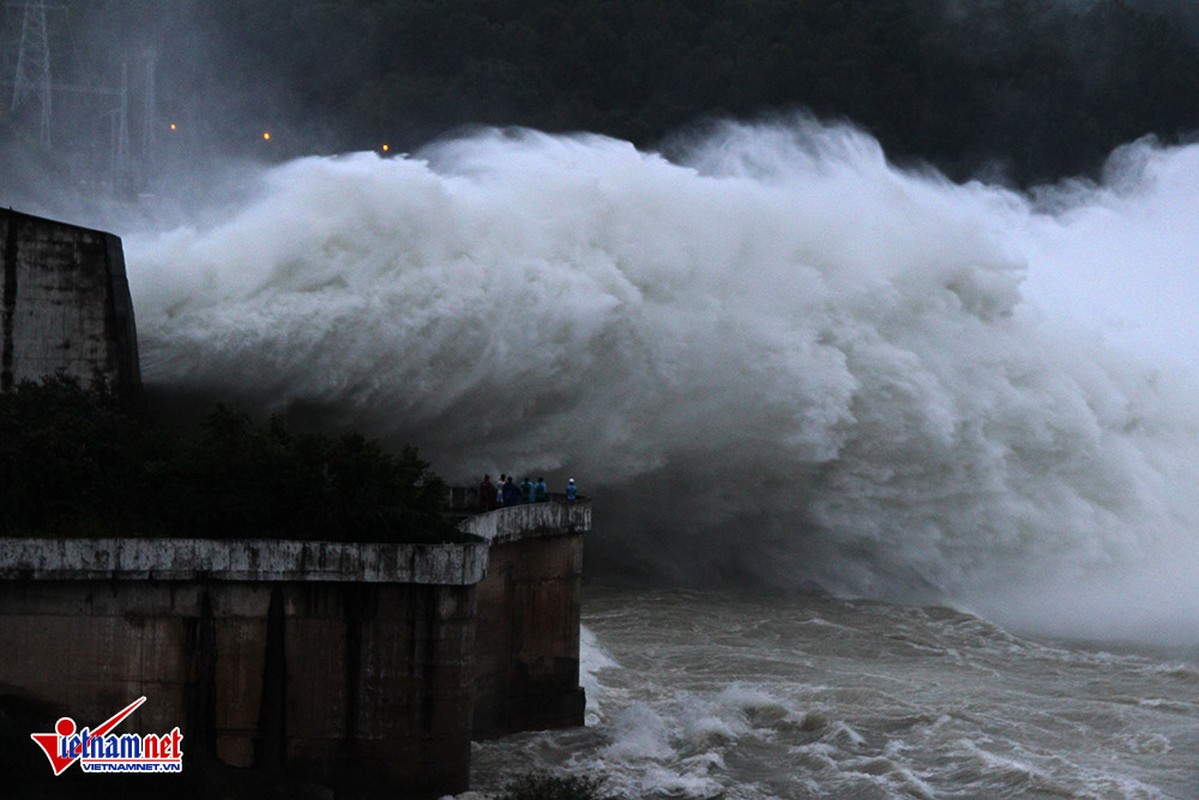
(486, 494)
(572, 491)
(510, 492)
(541, 492)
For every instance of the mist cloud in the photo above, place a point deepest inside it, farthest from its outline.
(780, 361)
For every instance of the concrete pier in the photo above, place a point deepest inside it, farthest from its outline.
(527, 652)
(65, 305)
(364, 669)
(367, 668)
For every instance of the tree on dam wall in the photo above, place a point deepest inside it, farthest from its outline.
(75, 462)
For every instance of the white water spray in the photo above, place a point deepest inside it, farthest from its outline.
(780, 361)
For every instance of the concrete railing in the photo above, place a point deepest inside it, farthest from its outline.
(465, 499)
(556, 517)
(242, 560)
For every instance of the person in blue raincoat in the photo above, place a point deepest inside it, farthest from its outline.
(572, 491)
(510, 492)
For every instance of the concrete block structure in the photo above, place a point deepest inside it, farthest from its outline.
(361, 668)
(65, 304)
(527, 654)
(367, 668)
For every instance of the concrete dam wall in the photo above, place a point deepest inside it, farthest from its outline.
(368, 668)
(66, 304)
(527, 638)
(284, 666)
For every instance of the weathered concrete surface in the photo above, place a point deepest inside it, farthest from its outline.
(530, 520)
(378, 688)
(66, 304)
(366, 687)
(241, 560)
(364, 667)
(527, 639)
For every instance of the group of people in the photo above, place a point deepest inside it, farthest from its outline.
(507, 492)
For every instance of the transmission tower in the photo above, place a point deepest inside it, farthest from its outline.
(149, 110)
(120, 140)
(33, 64)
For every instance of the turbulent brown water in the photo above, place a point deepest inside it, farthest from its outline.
(717, 694)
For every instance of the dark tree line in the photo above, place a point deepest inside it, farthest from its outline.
(75, 461)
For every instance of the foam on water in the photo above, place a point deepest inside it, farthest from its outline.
(783, 709)
(777, 359)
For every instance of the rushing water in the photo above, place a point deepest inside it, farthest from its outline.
(779, 363)
(778, 359)
(716, 694)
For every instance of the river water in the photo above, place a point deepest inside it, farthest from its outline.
(716, 694)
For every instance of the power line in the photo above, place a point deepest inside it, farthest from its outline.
(33, 65)
(33, 80)
(150, 109)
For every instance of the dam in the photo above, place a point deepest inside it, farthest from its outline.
(66, 304)
(367, 668)
(357, 669)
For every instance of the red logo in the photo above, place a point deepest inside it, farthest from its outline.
(100, 750)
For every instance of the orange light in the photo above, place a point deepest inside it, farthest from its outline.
(266, 136)
(386, 147)
(174, 127)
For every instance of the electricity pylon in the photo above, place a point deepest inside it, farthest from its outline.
(33, 64)
(149, 110)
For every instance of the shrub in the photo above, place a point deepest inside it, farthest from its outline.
(74, 462)
(543, 786)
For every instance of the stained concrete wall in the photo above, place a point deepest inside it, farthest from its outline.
(530, 520)
(527, 638)
(527, 641)
(365, 667)
(66, 304)
(338, 676)
(241, 560)
(365, 687)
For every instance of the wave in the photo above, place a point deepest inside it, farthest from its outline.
(774, 358)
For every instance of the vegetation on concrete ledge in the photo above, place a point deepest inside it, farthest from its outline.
(74, 462)
(542, 786)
